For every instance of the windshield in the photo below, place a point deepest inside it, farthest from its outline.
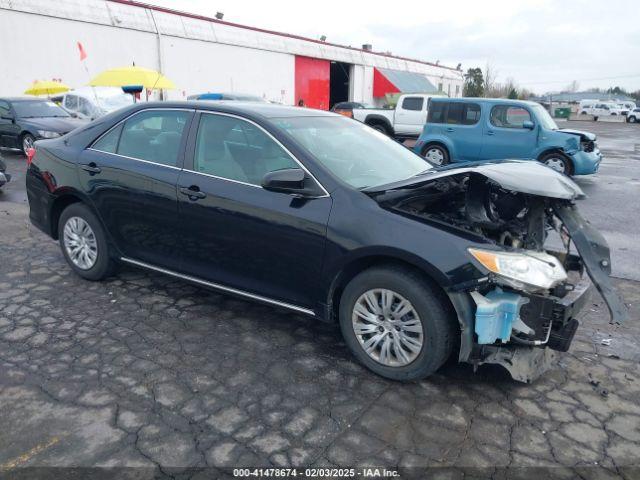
(115, 102)
(39, 109)
(353, 152)
(544, 118)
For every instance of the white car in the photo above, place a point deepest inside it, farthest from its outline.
(601, 109)
(634, 116)
(406, 120)
(89, 103)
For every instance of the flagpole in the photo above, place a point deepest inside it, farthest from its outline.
(83, 57)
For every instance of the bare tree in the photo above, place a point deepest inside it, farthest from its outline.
(574, 86)
(490, 75)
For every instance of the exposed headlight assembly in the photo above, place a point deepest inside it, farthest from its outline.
(521, 270)
(48, 134)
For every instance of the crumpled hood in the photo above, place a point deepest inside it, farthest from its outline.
(583, 135)
(524, 176)
(53, 124)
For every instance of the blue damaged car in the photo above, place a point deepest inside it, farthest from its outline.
(478, 129)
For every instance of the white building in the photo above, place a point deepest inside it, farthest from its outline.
(38, 41)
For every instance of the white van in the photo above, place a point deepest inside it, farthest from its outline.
(89, 103)
(599, 108)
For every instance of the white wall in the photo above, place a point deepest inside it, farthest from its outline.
(38, 41)
(213, 67)
(48, 50)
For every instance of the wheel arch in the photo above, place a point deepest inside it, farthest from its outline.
(352, 268)
(379, 120)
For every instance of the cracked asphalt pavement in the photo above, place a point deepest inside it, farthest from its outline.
(170, 380)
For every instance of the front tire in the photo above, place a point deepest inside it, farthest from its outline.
(558, 162)
(396, 324)
(27, 141)
(84, 243)
(631, 119)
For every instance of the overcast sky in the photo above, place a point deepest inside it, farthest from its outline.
(542, 44)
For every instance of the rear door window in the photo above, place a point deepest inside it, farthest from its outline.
(412, 103)
(471, 114)
(152, 135)
(455, 113)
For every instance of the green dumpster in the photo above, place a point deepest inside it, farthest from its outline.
(562, 112)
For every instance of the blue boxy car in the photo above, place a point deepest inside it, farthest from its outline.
(477, 129)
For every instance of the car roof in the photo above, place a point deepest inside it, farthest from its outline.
(24, 99)
(482, 100)
(266, 110)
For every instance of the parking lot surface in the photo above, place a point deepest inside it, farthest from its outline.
(159, 376)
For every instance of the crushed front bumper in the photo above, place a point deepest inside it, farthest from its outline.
(586, 163)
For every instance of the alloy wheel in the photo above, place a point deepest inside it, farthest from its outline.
(80, 243)
(27, 143)
(387, 327)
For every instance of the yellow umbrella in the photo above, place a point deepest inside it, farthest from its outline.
(123, 76)
(46, 87)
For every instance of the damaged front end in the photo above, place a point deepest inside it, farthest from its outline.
(536, 257)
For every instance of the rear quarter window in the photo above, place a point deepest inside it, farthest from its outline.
(437, 112)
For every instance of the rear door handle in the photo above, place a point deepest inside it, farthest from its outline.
(92, 168)
(490, 132)
(449, 129)
(193, 192)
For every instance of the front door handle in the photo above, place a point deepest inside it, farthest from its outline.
(449, 129)
(92, 168)
(193, 192)
(490, 132)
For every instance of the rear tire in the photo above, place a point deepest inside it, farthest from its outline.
(381, 128)
(631, 119)
(84, 243)
(427, 323)
(436, 154)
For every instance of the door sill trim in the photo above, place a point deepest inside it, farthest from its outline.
(217, 286)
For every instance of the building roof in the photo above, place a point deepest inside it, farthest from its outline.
(408, 82)
(157, 8)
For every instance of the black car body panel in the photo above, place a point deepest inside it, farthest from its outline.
(299, 252)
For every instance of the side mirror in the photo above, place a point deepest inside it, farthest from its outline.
(290, 180)
(528, 124)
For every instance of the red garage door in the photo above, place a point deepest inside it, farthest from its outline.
(312, 82)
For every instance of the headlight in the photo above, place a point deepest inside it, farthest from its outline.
(537, 269)
(48, 134)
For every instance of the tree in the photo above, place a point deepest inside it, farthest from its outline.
(473, 83)
(490, 75)
(573, 87)
(513, 94)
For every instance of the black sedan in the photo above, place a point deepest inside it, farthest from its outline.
(315, 213)
(25, 120)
